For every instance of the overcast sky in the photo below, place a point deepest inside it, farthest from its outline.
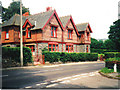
(99, 13)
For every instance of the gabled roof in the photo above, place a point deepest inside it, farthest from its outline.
(82, 27)
(40, 18)
(64, 20)
(14, 20)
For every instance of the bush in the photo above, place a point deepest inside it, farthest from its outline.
(12, 54)
(97, 50)
(69, 57)
(106, 70)
(112, 59)
(111, 54)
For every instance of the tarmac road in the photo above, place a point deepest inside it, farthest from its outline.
(23, 77)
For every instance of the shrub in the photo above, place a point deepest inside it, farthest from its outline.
(13, 55)
(106, 70)
(111, 54)
(69, 57)
(113, 59)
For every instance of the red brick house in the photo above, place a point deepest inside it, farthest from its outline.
(47, 30)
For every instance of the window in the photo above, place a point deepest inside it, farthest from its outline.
(69, 48)
(7, 34)
(70, 34)
(53, 47)
(32, 47)
(28, 33)
(53, 31)
(87, 49)
(88, 36)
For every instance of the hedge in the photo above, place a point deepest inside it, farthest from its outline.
(12, 54)
(69, 57)
(111, 54)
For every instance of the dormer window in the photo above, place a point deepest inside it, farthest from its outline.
(70, 34)
(7, 34)
(53, 31)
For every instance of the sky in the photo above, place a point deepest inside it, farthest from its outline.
(99, 13)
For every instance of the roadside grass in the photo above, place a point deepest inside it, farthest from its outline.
(106, 70)
(118, 76)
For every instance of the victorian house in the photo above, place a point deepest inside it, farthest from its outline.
(47, 30)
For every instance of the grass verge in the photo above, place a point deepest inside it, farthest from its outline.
(106, 70)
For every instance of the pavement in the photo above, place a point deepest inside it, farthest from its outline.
(111, 75)
(51, 65)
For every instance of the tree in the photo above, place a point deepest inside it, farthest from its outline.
(13, 9)
(109, 45)
(114, 34)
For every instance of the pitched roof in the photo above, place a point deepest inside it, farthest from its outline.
(14, 20)
(40, 18)
(64, 20)
(82, 26)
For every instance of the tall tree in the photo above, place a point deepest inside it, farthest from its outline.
(114, 34)
(14, 8)
(109, 44)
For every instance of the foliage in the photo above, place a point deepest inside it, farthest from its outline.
(109, 44)
(97, 50)
(106, 70)
(13, 9)
(69, 57)
(13, 53)
(114, 34)
(112, 54)
(113, 59)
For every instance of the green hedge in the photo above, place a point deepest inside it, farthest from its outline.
(111, 54)
(13, 53)
(69, 57)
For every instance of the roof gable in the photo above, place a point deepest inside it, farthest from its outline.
(83, 26)
(66, 19)
(54, 14)
(27, 21)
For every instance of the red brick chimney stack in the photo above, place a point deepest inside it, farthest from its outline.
(48, 8)
(26, 14)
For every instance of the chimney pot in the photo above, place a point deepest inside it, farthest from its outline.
(48, 8)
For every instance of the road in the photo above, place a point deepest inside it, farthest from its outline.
(25, 78)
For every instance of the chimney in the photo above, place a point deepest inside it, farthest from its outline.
(48, 8)
(26, 14)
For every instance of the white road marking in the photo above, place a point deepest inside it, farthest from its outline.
(51, 85)
(75, 78)
(4, 76)
(28, 87)
(92, 75)
(44, 83)
(65, 81)
(84, 76)
(37, 84)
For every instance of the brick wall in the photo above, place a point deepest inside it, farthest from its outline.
(74, 35)
(47, 32)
